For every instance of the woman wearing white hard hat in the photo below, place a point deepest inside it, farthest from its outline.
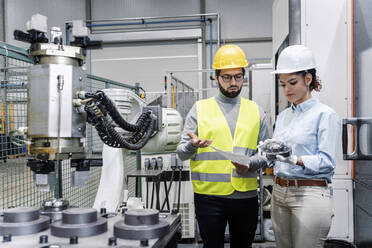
(302, 197)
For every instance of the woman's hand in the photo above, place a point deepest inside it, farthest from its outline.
(241, 169)
(289, 160)
(195, 141)
(293, 159)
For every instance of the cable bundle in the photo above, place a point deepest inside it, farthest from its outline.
(97, 110)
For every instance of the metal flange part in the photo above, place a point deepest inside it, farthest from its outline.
(23, 221)
(137, 217)
(124, 231)
(79, 216)
(81, 222)
(21, 214)
(141, 224)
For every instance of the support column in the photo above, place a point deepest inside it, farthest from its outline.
(2, 20)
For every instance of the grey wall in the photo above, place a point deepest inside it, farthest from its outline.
(246, 23)
(111, 9)
(146, 64)
(18, 12)
(243, 19)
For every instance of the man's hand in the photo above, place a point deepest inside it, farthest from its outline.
(261, 153)
(241, 169)
(195, 141)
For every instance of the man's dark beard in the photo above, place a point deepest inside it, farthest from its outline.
(229, 94)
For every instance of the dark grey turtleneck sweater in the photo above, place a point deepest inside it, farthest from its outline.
(230, 108)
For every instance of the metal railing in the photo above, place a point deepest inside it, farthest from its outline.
(180, 95)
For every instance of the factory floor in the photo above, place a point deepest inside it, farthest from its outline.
(255, 245)
(266, 244)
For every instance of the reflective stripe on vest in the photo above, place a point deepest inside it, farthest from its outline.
(210, 177)
(210, 173)
(217, 156)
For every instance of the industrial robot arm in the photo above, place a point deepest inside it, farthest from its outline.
(98, 108)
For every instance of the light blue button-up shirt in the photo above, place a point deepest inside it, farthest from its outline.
(312, 129)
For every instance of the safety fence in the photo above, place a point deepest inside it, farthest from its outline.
(17, 187)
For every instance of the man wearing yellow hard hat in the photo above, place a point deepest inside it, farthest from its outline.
(225, 193)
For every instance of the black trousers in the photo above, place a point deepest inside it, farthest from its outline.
(213, 213)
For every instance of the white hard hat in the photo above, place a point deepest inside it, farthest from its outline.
(295, 58)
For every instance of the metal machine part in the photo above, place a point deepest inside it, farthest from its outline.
(36, 30)
(46, 239)
(358, 153)
(49, 53)
(274, 147)
(80, 222)
(44, 176)
(169, 135)
(81, 33)
(141, 224)
(55, 125)
(53, 208)
(53, 81)
(50, 100)
(38, 22)
(79, 29)
(45, 182)
(43, 109)
(56, 35)
(22, 221)
(81, 174)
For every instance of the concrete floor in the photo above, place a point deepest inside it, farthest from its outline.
(255, 245)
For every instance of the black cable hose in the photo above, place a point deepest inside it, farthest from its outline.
(92, 118)
(115, 115)
(112, 138)
(138, 135)
(169, 189)
(152, 193)
(179, 189)
(121, 142)
(166, 195)
(147, 193)
(102, 105)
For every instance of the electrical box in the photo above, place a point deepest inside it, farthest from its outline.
(166, 162)
(342, 222)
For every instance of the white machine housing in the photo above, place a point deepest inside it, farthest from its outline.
(130, 106)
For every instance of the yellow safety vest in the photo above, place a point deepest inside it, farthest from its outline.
(211, 174)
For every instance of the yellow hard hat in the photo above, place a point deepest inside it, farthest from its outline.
(229, 57)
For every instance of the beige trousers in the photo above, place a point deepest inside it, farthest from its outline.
(301, 216)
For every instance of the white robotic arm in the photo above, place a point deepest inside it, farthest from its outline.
(165, 139)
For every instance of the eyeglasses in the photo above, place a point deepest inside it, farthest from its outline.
(227, 78)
